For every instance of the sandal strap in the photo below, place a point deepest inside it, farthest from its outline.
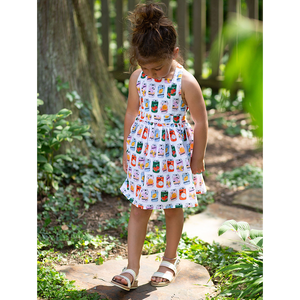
(165, 258)
(131, 272)
(167, 276)
(169, 266)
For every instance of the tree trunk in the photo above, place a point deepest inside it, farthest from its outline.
(68, 48)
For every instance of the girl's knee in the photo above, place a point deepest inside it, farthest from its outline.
(173, 212)
(137, 212)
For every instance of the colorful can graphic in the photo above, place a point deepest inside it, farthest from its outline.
(136, 175)
(176, 179)
(186, 178)
(157, 118)
(132, 186)
(151, 90)
(181, 149)
(161, 91)
(182, 106)
(147, 108)
(173, 151)
(170, 164)
(167, 150)
(139, 132)
(163, 135)
(164, 166)
(161, 150)
(149, 180)
(168, 181)
(154, 196)
(144, 194)
(139, 147)
(127, 184)
(192, 193)
(132, 144)
(151, 134)
(160, 181)
(172, 90)
(146, 149)
(175, 104)
(182, 193)
(145, 133)
(187, 164)
(164, 107)
(178, 206)
(129, 172)
(143, 178)
(176, 119)
(133, 160)
(138, 188)
(167, 119)
(154, 106)
(156, 135)
(164, 196)
(141, 163)
(173, 194)
(179, 165)
(147, 165)
(134, 128)
(184, 135)
(155, 166)
(173, 135)
(143, 90)
(153, 150)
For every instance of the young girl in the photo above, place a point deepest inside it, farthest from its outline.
(163, 157)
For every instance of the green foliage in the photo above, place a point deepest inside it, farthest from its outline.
(120, 223)
(54, 285)
(245, 40)
(246, 176)
(243, 279)
(52, 130)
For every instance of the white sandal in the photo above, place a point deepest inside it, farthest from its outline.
(169, 277)
(130, 285)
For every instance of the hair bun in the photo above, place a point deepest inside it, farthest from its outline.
(147, 16)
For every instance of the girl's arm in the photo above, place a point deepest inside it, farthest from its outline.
(131, 111)
(192, 94)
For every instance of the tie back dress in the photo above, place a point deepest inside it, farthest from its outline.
(159, 148)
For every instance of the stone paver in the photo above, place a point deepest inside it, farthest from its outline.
(192, 282)
(206, 225)
(250, 198)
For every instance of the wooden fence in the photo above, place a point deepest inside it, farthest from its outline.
(198, 23)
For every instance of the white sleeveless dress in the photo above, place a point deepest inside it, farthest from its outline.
(159, 148)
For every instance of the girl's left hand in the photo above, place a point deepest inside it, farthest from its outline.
(197, 165)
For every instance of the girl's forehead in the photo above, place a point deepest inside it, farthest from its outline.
(153, 64)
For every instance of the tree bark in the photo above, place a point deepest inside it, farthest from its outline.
(68, 48)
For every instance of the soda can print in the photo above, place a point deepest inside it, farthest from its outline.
(178, 205)
(161, 91)
(157, 118)
(164, 196)
(181, 149)
(132, 144)
(143, 75)
(186, 178)
(144, 90)
(149, 180)
(164, 107)
(147, 108)
(167, 150)
(139, 132)
(146, 149)
(156, 135)
(168, 181)
(179, 165)
(164, 166)
(132, 186)
(145, 133)
(192, 194)
(128, 139)
(141, 163)
(138, 188)
(182, 105)
(127, 184)
(187, 163)
(182, 193)
(171, 90)
(129, 172)
(184, 135)
(176, 119)
(167, 119)
(145, 194)
(155, 166)
(151, 90)
(175, 104)
(153, 150)
(170, 164)
(160, 181)
(128, 157)
(163, 135)
(139, 147)
(161, 150)
(151, 134)
(173, 194)
(134, 127)
(154, 106)
(147, 165)
(143, 178)
(172, 135)
(173, 151)
(195, 180)
(136, 175)
(133, 160)
(176, 179)
(154, 196)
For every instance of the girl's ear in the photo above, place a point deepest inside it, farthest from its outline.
(175, 52)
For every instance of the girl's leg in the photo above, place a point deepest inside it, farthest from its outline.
(174, 225)
(137, 228)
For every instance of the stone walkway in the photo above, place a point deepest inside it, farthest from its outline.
(192, 282)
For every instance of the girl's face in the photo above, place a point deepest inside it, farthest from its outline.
(161, 68)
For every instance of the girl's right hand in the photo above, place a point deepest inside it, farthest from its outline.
(125, 162)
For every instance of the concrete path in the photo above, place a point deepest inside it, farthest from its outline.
(206, 225)
(192, 282)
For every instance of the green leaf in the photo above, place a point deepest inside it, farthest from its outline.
(48, 168)
(228, 225)
(62, 156)
(55, 184)
(258, 241)
(41, 158)
(254, 233)
(40, 102)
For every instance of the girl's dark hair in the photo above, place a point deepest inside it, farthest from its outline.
(153, 35)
